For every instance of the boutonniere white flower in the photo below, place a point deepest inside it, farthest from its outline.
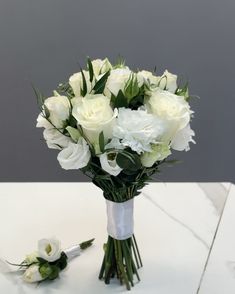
(49, 260)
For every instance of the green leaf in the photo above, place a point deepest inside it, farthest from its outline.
(84, 85)
(128, 161)
(46, 111)
(45, 270)
(90, 69)
(54, 272)
(100, 84)
(136, 102)
(40, 98)
(101, 141)
(120, 100)
(131, 87)
(74, 133)
(62, 262)
(41, 260)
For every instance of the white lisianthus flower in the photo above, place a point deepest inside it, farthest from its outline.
(56, 140)
(172, 109)
(158, 152)
(32, 274)
(182, 139)
(31, 258)
(59, 108)
(75, 155)
(42, 122)
(95, 115)
(117, 80)
(147, 77)
(137, 129)
(49, 249)
(101, 66)
(109, 164)
(76, 82)
(168, 81)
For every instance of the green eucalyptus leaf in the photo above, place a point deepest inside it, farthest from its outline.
(100, 84)
(84, 85)
(74, 133)
(101, 141)
(90, 69)
(120, 100)
(128, 161)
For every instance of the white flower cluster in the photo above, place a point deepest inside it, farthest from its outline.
(108, 110)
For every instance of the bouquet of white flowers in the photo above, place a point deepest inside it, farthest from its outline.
(117, 126)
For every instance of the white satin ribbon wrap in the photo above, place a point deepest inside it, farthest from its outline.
(120, 219)
(72, 251)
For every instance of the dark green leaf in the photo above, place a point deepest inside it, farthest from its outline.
(84, 85)
(45, 270)
(101, 141)
(90, 69)
(128, 161)
(120, 100)
(54, 272)
(41, 260)
(100, 84)
(62, 262)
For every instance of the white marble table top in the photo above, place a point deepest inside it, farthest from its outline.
(184, 232)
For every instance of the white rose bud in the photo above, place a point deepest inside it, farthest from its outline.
(182, 139)
(31, 258)
(56, 140)
(76, 82)
(75, 156)
(168, 81)
(95, 115)
(59, 108)
(117, 81)
(172, 109)
(49, 249)
(109, 164)
(101, 66)
(158, 152)
(147, 77)
(32, 274)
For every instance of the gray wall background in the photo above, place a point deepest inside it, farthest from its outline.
(43, 41)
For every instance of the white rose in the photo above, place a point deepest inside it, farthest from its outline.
(42, 122)
(146, 77)
(101, 66)
(182, 139)
(138, 129)
(168, 81)
(49, 249)
(109, 164)
(95, 115)
(172, 109)
(56, 140)
(117, 81)
(59, 108)
(32, 274)
(75, 155)
(76, 82)
(31, 258)
(158, 152)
